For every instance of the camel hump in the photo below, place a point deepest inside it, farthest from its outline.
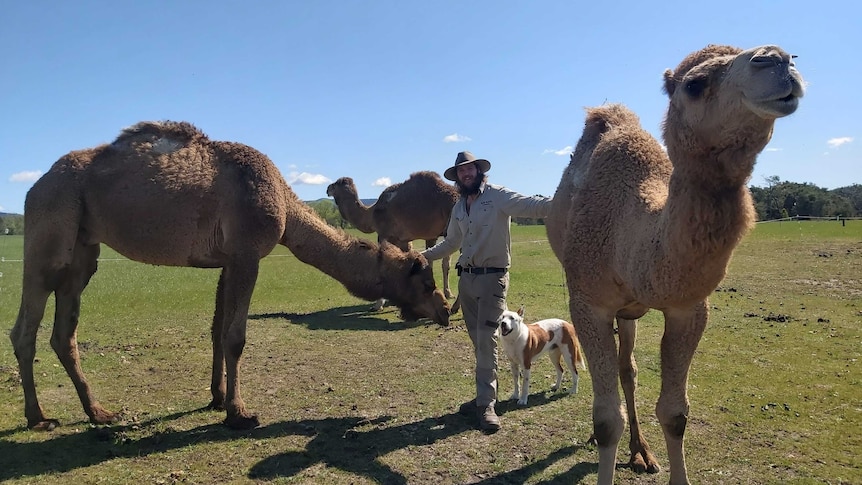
(426, 174)
(599, 121)
(603, 118)
(163, 136)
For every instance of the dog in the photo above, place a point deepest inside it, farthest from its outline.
(524, 343)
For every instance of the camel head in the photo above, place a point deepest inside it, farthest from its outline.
(413, 290)
(343, 188)
(726, 99)
(344, 192)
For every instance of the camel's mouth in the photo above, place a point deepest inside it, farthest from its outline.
(775, 108)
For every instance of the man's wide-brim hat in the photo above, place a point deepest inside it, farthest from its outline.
(464, 158)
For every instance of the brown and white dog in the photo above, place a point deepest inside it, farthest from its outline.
(526, 342)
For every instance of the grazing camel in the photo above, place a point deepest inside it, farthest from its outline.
(637, 228)
(418, 208)
(164, 194)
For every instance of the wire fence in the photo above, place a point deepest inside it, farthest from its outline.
(811, 218)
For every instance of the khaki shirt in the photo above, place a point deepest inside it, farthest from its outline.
(483, 234)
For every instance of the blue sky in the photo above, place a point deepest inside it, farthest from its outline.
(376, 90)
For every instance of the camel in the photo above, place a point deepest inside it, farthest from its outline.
(636, 228)
(418, 208)
(164, 194)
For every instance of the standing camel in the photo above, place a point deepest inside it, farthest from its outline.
(164, 194)
(418, 208)
(637, 228)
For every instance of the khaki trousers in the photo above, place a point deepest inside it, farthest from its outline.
(483, 300)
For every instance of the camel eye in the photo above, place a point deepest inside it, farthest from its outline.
(695, 87)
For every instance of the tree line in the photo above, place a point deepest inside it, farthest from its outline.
(781, 199)
(777, 200)
(11, 224)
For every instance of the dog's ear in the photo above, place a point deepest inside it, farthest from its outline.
(521, 311)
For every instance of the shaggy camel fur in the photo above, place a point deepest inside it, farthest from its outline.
(635, 228)
(164, 194)
(418, 208)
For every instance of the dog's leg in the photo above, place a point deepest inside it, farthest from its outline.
(516, 375)
(555, 356)
(525, 386)
(569, 357)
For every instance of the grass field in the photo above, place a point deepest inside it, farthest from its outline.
(347, 396)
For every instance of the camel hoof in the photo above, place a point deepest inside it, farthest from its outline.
(44, 425)
(641, 463)
(215, 405)
(242, 422)
(101, 416)
(455, 307)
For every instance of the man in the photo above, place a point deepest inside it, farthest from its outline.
(479, 226)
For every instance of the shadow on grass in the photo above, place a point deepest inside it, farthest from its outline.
(356, 317)
(351, 444)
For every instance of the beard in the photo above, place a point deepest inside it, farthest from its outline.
(473, 188)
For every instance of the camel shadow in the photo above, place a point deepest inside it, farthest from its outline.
(576, 474)
(93, 445)
(352, 444)
(344, 443)
(337, 443)
(355, 317)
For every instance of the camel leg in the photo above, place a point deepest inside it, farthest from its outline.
(445, 265)
(23, 336)
(217, 385)
(596, 333)
(642, 459)
(239, 277)
(64, 338)
(682, 332)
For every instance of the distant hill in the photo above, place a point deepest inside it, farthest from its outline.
(3, 214)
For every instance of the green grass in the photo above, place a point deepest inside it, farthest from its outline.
(347, 396)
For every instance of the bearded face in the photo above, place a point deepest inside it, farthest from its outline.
(471, 185)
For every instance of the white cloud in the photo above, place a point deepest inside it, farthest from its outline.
(566, 150)
(455, 137)
(26, 176)
(382, 182)
(837, 142)
(773, 150)
(305, 178)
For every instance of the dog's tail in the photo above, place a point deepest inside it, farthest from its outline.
(579, 355)
(579, 352)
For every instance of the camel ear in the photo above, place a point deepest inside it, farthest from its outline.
(521, 311)
(669, 82)
(417, 266)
